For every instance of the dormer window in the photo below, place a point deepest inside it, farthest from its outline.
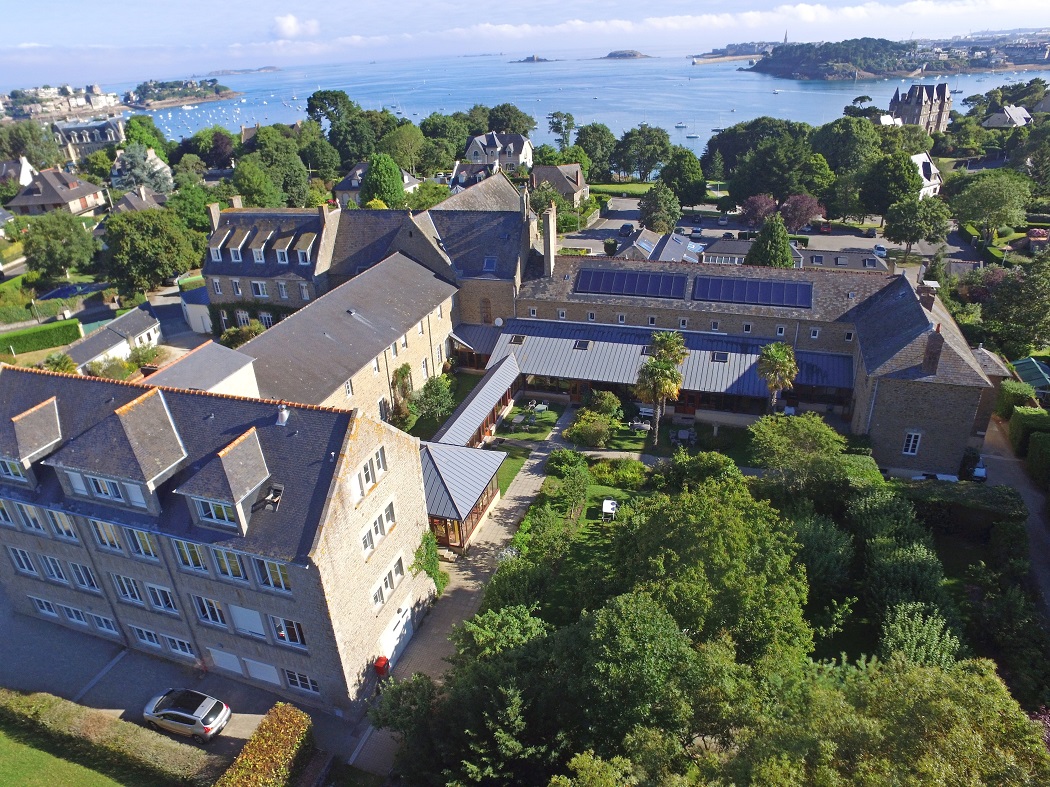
(103, 487)
(490, 265)
(219, 513)
(282, 256)
(304, 257)
(235, 255)
(216, 254)
(11, 470)
(257, 255)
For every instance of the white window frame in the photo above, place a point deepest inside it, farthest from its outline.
(683, 323)
(30, 518)
(348, 388)
(272, 575)
(258, 255)
(225, 560)
(561, 314)
(236, 285)
(162, 599)
(911, 443)
(11, 470)
(714, 325)
(266, 319)
(73, 615)
(780, 330)
(304, 256)
(44, 607)
(243, 318)
(375, 365)
(532, 311)
(419, 329)
(216, 512)
(297, 680)
(84, 577)
(282, 290)
(282, 256)
(426, 371)
(5, 515)
(128, 589)
(304, 291)
(209, 611)
(104, 624)
(62, 526)
(216, 285)
(142, 544)
(259, 289)
(849, 336)
(106, 535)
(814, 333)
(590, 316)
(105, 489)
(235, 254)
(23, 561)
(145, 636)
(52, 568)
(216, 254)
(287, 632)
(190, 556)
(179, 647)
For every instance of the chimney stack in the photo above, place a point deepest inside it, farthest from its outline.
(550, 239)
(213, 215)
(931, 358)
(927, 292)
(236, 201)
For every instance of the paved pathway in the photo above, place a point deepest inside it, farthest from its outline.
(430, 645)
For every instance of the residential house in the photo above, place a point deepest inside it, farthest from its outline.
(510, 151)
(566, 179)
(465, 174)
(141, 197)
(210, 367)
(138, 327)
(1008, 117)
(267, 542)
(5, 218)
(81, 138)
(349, 188)
(928, 106)
(931, 176)
(20, 169)
(485, 193)
(996, 370)
(52, 189)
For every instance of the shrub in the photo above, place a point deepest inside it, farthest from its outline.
(427, 561)
(1038, 461)
(539, 521)
(563, 460)
(965, 508)
(60, 362)
(883, 514)
(118, 748)
(1023, 422)
(969, 232)
(140, 356)
(607, 403)
(897, 573)
(918, 634)
(41, 337)
(684, 470)
(590, 429)
(1011, 394)
(619, 473)
(278, 747)
(992, 255)
(826, 552)
(235, 337)
(609, 246)
(110, 369)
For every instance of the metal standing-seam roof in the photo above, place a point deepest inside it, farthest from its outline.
(614, 354)
(479, 338)
(473, 410)
(1035, 373)
(455, 477)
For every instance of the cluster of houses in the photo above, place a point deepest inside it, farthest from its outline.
(56, 101)
(254, 511)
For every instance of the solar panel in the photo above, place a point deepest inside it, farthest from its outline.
(650, 285)
(754, 292)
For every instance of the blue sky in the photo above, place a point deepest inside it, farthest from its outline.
(59, 41)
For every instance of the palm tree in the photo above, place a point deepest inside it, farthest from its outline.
(669, 346)
(658, 381)
(778, 367)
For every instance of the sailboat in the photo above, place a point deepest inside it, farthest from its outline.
(680, 124)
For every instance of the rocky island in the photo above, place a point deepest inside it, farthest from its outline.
(533, 59)
(624, 54)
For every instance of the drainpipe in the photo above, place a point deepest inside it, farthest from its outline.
(871, 409)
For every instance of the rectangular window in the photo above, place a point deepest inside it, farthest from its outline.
(266, 319)
(814, 333)
(561, 314)
(393, 349)
(235, 255)
(282, 256)
(532, 312)
(13, 470)
(216, 286)
(375, 365)
(44, 607)
(272, 575)
(259, 289)
(304, 257)
(23, 562)
(652, 321)
(348, 389)
(489, 265)
(76, 481)
(209, 611)
(127, 589)
(590, 316)
(780, 330)
(683, 323)
(162, 599)
(103, 487)
(5, 515)
(719, 357)
(440, 311)
(714, 325)
(747, 327)
(236, 285)
(242, 317)
(216, 254)
(106, 535)
(145, 636)
(282, 290)
(83, 576)
(304, 291)
(179, 647)
(191, 556)
(368, 543)
(426, 370)
(911, 443)
(378, 597)
(419, 329)
(298, 680)
(224, 320)
(73, 615)
(53, 569)
(229, 564)
(104, 624)
(288, 632)
(135, 495)
(849, 336)
(30, 518)
(257, 255)
(141, 544)
(223, 513)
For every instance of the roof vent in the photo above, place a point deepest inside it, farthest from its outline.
(282, 414)
(582, 344)
(273, 497)
(517, 339)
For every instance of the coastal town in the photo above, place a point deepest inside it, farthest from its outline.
(375, 449)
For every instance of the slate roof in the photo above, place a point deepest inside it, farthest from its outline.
(232, 474)
(613, 354)
(567, 179)
(455, 477)
(831, 289)
(494, 192)
(364, 238)
(469, 236)
(312, 352)
(297, 455)
(23, 435)
(1009, 117)
(494, 141)
(358, 172)
(119, 331)
(991, 364)
(140, 198)
(479, 338)
(201, 368)
(928, 171)
(472, 411)
(271, 229)
(846, 259)
(53, 187)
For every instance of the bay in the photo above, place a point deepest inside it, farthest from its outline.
(660, 91)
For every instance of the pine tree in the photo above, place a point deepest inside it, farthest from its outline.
(772, 247)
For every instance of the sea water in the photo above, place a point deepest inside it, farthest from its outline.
(660, 91)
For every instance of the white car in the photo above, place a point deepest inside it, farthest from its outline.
(723, 221)
(980, 471)
(879, 250)
(187, 712)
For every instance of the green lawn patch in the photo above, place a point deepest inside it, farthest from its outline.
(624, 438)
(733, 441)
(516, 456)
(10, 251)
(425, 428)
(619, 189)
(545, 422)
(27, 763)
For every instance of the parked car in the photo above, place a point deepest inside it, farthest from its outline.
(696, 234)
(681, 230)
(825, 228)
(728, 236)
(936, 477)
(626, 230)
(723, 221)
(806, 228)
(870, 233)
(980, 471)
(879, 250)
(187, 712)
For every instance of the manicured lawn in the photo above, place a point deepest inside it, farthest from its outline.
(424, 428)
(516, 456)
(12, 284)
(544, 423)
(27, 766)
(733, 441)
(618, 189)
(627, 439)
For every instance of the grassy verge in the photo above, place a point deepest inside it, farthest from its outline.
(424, 428)
(28, 761)
(545, 422)
(343, 775)
(516, 456)
(619, 189)
(10, 251)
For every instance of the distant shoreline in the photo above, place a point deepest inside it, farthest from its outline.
(702, 60)
(165, 103)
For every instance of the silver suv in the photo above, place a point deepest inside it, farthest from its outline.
(187, 712)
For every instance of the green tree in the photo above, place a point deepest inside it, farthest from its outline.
(757, 208)
(507, 118)
(890, 178)
(657, 382)
(237, 335)
(145, 248)
(574, 154)
(546, 155)
(776, 166)
(796, 449)
(659, 208)
(435, 399)
(57, 243)
(375, 204)
(436, 155)
(60, 362)
(1016, 312)
(772, 247)
(97, 165)
(30, 139)
(383, 181)
(991, 202)
(190, 203)
(716, 168)
(404, 144)
(669, 346)
(189, 171)
(919, 635)
(589, 770)
(827, 553)
(847, 143)
(137, 169)
(561, 124)
(142, 130)
(598, 142)
(643, 150)
(253, 182)
(493, 632)
(279, 154)
(354, 138)
(778, 369)
(333, 106)
(682, 174)
(427, 195)
(447, 128)
(321, 158)
(912, 220)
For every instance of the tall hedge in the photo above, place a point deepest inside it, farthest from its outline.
(41, 337)
(1038, 460)
(278, 748)
(1023, 422)
(1011, 394)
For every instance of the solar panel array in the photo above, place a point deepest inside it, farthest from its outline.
(754, 292)
(650, 285)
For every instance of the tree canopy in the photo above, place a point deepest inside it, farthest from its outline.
(683, 175)
(912, 220)
(772, 247)
(659, 208)
(57, 242)
(383, 181)
(145, 248)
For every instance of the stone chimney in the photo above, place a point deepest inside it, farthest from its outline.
(236, 201)
(931, 358)
(579, 177)
(141, 189)
(927, 292)
(550, 239)
(322, 214)
(213, 215)
(524, 203)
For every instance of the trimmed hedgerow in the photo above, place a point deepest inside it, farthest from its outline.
(277, 749)
(41, 337)
(1012, 393)
(1023, 422)
(116, 748)
(1038, 460)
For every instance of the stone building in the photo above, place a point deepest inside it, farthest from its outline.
(928, 106)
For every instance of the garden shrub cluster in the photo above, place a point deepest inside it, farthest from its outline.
(118, 748)
(1025, 421)
(591, 429)
(619, 473)
(1038, 460)
(1013, 393)
(277, 749)
(41, 337)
